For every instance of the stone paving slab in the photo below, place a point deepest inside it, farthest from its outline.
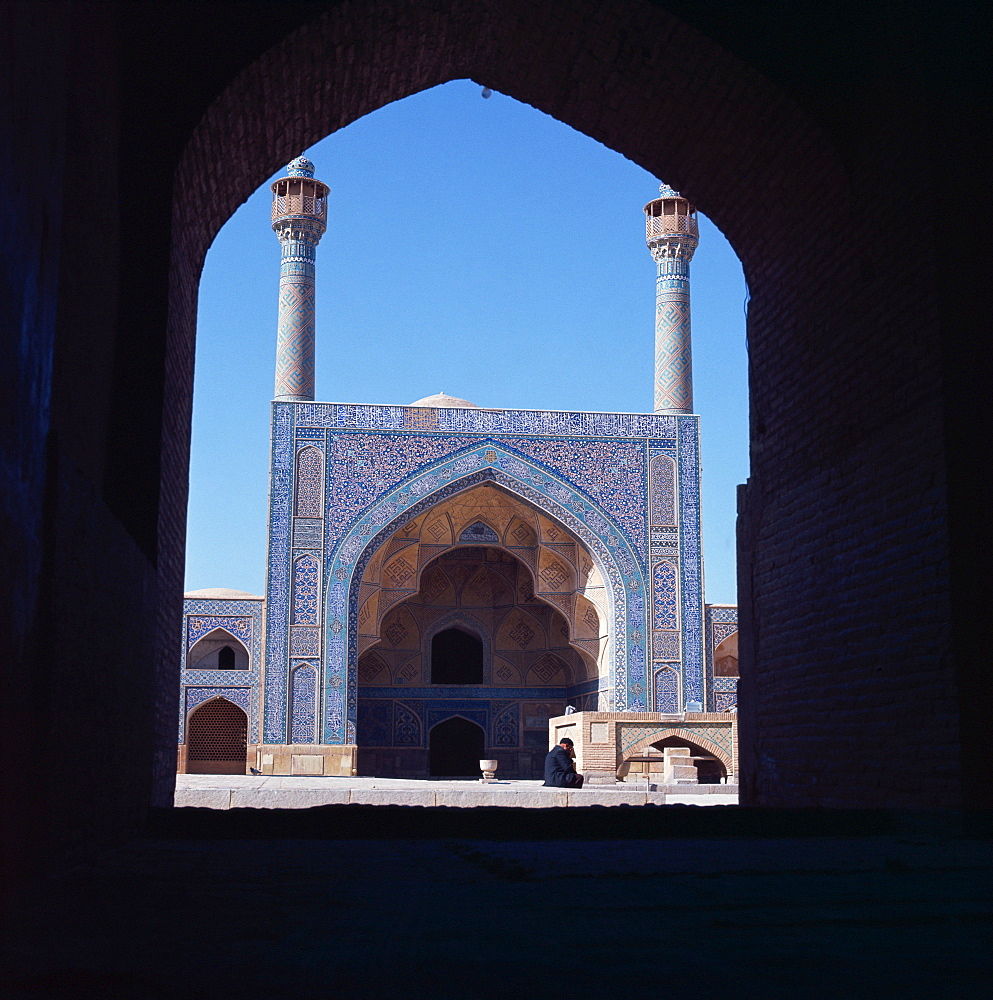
(215, 791)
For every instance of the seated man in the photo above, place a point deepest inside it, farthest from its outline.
(560, 768)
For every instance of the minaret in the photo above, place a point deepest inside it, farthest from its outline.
(299, 219)
(672, 235)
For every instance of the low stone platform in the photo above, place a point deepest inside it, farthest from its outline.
(224, 791)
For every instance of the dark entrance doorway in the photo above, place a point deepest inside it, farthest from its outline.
(455, 748)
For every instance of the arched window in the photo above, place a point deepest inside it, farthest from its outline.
(456, 658)
(225, 658)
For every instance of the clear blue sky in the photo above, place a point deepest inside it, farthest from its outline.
(476, 247)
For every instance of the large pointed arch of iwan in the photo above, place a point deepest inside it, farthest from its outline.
(612, 552)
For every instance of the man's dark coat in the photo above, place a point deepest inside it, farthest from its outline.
(560, 771)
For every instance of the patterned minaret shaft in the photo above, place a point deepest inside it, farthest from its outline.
(672, 235)
(299, 219)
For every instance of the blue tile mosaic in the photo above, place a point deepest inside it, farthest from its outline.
(721, 621)
(243, 619)
(602, 476)
(691, 558)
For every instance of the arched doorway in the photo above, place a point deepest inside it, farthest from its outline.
(455, 748)
(709, 768)
(217, 738)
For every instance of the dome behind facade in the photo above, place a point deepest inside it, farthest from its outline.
(442, 399)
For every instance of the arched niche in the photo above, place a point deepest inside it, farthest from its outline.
(456, 656)
(726, 657)
(676, 736)
(218, 650)
(407, 564)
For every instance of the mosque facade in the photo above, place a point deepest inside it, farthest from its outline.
(443, 579)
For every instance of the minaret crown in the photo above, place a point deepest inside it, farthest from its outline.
(300, 167)
(671, 228)
(299, 203)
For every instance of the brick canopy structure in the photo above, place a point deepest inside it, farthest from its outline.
(825, 140)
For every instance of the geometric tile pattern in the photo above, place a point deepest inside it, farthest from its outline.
(197, 695)
(305, 642)
(665, 646)
(310, 482)
(663, 491)
(719, 632)
(720, 623)
(521, 634)
(666, 615)
(303, 712)
(298, 233)
(506, 725)
(406, 725)
(611, 472)
(673, 366)
(555, 499)
(305, 587)
(198, 626)
(719, 736)
(666, 690)
(243, 619)
(384, 474)
(554, 575)
(542, 423)
(365, 465)
(295, 339)
(691, 558)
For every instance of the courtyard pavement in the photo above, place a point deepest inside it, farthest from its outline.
(223, 791)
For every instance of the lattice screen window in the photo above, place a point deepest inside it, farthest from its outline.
(218, 730)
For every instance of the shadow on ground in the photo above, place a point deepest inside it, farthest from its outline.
(384, 902)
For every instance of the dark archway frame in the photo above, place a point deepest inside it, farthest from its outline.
(308, 95)
(647, 85)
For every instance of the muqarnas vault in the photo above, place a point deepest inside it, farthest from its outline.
(443, 579)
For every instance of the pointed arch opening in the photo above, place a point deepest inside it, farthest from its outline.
(218, 650)
(554, 569)
(512, 625)
(710, 769)
(217, 738)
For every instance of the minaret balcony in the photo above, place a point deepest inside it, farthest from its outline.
(657, 226)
